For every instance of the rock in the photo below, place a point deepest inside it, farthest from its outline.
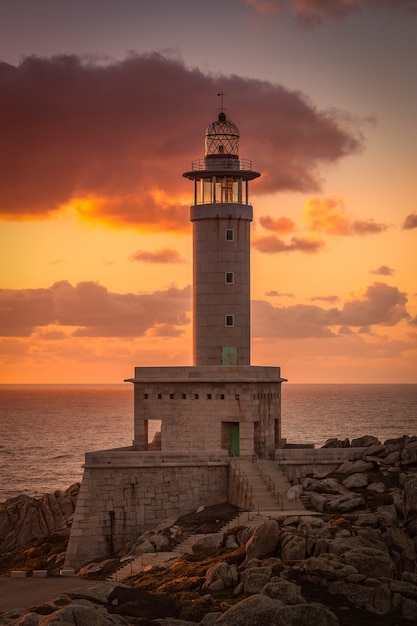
(255, 579)
(294, 492)
(171, 621)
(344, 503)
(101, 592)
(327, 567)
(257, 610)
(24, 518)
(402, 549)
(223, 572)
(410, 497)
(369, 595)
(318, 502)
(328, 486)
(370, 562)
(293, 547)
(355, 481)
(304, 615)
(263, 542)
(353, 467)
(364, 442)
(283, 590)
(333, 442)
(409, 454)
(392, 458)
(76, 615)
(209, 619)
(376, 487)
(208, 543)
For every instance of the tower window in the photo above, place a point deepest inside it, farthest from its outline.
(229, 320)
(229, 234)
(229, 278)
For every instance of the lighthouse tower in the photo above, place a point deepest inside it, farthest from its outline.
(221, 215)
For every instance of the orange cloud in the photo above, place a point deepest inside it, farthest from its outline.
(114, 139)
(410, 221)
(89, 310)
(164, 255)
(273, 245)
(281, 225)
(383, 270)
(329, 215)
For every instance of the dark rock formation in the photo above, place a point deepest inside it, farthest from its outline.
(23, 518)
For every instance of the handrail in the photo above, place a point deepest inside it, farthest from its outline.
(270, 483)
(243, 480)
(224, 164)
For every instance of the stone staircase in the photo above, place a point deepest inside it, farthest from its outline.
(269, 487)
(147, 560)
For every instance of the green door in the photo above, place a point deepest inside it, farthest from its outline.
(235, 439)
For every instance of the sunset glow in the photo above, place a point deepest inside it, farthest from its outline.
(97, 129)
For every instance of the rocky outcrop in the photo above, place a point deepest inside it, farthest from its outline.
(24, 518)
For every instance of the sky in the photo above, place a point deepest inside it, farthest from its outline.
(104, 104)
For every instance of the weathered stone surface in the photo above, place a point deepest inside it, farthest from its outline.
(409, 454)
(210, 618)
(23, 518)
(257, 610)
(264, 541)
(283, 590)
(294, 492)
(207, 543)
(402, 549)
(334, 442)
(223, 572)
(376, 487)
(304, 615)
(318, 502)
(370, 562)
(364, 441)
(328, 567)
(328, 486)
(373, 599)
(255, 579)
(353, 467)
(344, 503)
(354, 481)
(293, 547)
(410, 497)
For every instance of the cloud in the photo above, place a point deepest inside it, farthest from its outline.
(329, 215)
(410, 221)
(273, 245)
(330, 299)
(377, 304)
(383, 270)
(111, 140)
(90, 310)
(310, 12)
(274, 293)
(164, 255)
(281, 225)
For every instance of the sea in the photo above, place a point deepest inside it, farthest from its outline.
(46, 429)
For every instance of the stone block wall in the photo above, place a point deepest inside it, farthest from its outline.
(123, 493)
(194, 403)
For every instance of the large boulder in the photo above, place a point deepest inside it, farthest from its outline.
(410, 497)
(221, 576)
(263, 542)
(372, 595)
(344, 503)
(257, 610)
(409, 454)
(283, 590)
(370, 562)
(364, 442)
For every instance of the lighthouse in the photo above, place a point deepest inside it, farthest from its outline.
(192, 423)
(221, 215)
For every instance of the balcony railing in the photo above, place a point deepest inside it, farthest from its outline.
(221, 164)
